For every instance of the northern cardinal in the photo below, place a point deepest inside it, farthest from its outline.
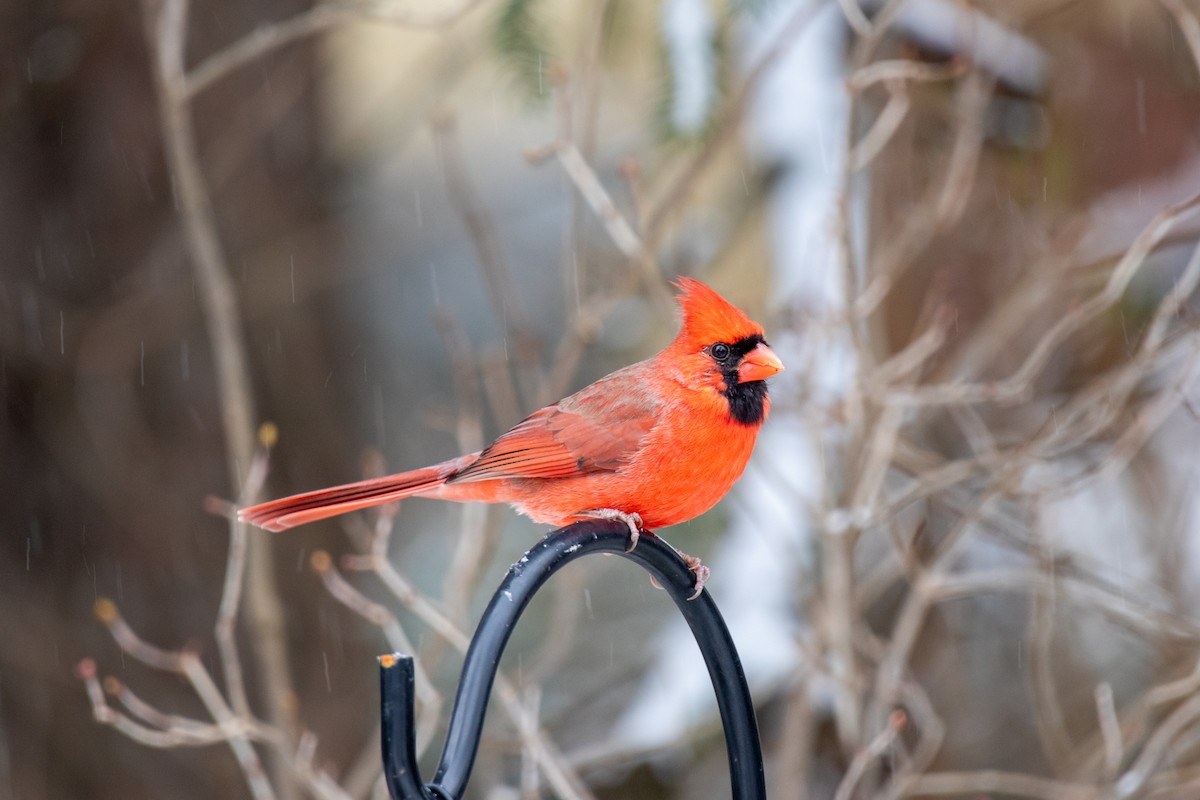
(656, 443)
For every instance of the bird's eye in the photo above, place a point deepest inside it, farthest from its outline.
(720, 351)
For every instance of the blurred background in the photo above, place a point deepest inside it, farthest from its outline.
(252, 249)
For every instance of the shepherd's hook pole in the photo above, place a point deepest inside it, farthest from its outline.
(483, 657)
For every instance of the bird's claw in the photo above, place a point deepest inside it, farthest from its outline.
(632, 520)
(701, 572)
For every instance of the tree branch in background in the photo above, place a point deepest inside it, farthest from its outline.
(166, 30)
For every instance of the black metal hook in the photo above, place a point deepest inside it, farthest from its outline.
(483, 657)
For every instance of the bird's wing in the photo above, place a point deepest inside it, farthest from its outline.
(596, 429)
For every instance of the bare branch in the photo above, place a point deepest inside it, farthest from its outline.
(325, 15)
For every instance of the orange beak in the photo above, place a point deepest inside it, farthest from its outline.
(759, 364)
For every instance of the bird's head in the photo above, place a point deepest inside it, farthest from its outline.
(719, 348)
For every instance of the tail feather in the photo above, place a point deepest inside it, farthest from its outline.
(288, 512)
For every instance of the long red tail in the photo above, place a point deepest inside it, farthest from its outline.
(288, 512)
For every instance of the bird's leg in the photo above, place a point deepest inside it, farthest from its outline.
(693, 563)
(702, 572)
(631, 519)
(634, 522)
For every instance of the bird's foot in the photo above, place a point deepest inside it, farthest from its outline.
(631, 519)
(699, 570)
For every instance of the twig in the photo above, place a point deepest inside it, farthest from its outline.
(585, 180)
(506, 304)
(886, 125)
(530, 789)
(1020, 381)
(939, 207)
(327, 14)
(1049, 719)
(416, 602)
(163, 731)
(551, 761)
(1110, 730)
(864, 757)
(999, 782)
(1157, 747)
(231, 594)
(1175, 690)
(233, 727)
(106, 611)
(855, 16)
(1115, 605)
(838, 593)
(1189, 26)
(905, 69)
(726, 123)
(793, 756)
(166, 31)
(379, 616)
(261, 41)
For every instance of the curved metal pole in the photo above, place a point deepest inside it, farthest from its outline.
(483, 657)
(396, 692)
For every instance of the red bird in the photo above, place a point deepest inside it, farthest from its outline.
(653, 444)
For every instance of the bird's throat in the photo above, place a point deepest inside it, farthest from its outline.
(747, 401)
